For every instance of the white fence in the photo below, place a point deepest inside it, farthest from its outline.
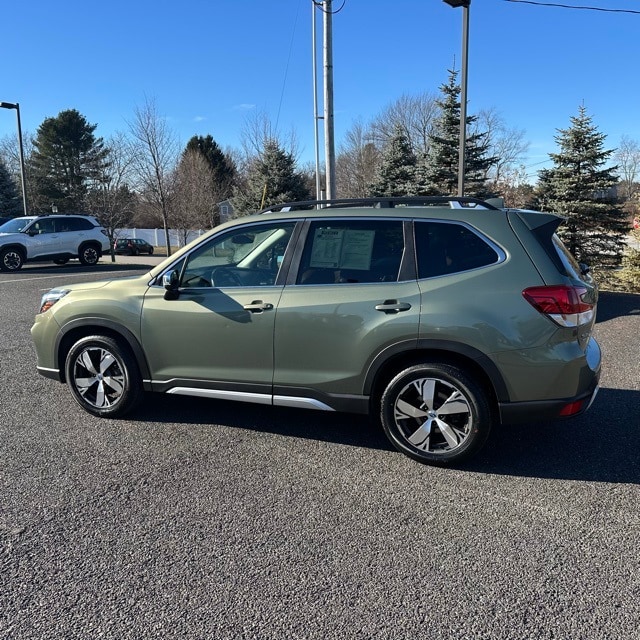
(156, 236)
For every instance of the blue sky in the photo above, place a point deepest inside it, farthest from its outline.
(207, 64)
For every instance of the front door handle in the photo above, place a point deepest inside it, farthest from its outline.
(393, 306)
(257, 306)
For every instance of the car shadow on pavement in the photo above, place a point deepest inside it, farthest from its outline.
(602, 445)
(614, 305)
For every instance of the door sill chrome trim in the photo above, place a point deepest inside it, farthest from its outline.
(219, 394)
(293, 402)
(301, 403)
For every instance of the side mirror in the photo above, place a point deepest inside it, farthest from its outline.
(171, 283)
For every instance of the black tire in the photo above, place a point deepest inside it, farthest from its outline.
(61, 261)
(103, 376)
(435, 413)
(151, 251)
(11, 259)
(89, 255)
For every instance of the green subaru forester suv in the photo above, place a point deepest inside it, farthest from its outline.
(440, 316)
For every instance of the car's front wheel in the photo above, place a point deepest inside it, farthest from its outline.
(435, 413)
(103, 376)
(11, 260)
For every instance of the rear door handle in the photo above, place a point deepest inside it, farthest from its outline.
(393, 306)
(257, 306)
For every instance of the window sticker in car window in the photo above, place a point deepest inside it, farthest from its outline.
(342, 249)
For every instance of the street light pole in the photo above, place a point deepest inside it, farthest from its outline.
(16, 106)
(463, 93)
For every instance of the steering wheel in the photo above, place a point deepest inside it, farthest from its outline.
(225, 277)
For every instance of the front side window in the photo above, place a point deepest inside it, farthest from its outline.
(16, 225)
(244, 257)
(444, 247)
(352, 251)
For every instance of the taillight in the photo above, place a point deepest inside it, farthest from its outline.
(563, 304)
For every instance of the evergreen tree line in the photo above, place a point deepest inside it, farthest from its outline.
(143, 177)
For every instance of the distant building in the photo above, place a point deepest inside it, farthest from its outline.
(226, 210)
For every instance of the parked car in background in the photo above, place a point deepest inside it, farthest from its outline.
(438, 316)
(133, 246)
(56, 238)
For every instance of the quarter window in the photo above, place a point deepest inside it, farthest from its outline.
(443, 248)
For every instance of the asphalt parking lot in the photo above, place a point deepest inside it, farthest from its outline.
(196, 518)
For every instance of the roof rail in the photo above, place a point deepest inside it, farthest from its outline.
(454, 202)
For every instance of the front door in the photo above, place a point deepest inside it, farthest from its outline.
(218, 333)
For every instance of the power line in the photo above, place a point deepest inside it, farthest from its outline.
(570, 6)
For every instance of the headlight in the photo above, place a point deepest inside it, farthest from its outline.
(50, 298)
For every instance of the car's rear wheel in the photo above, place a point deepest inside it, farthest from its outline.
(11, 260)
(435, 413)
(89, 255)
(103, 376)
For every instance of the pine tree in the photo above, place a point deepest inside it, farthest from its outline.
(67, 159)
(10, 200)
(396, 175)
(222, 166)
(439, 171)
(578, 187)
(271, 179)
(222, 171)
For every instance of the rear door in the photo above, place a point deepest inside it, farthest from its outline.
(351, 296)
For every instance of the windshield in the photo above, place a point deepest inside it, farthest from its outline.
(16, 225)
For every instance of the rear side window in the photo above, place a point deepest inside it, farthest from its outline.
(570, 264)
(73, 224)
(445, 247)
(350, 251)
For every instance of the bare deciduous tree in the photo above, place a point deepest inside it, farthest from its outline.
(414, 115)
(111, 200)
(155, 159)
(627, 157)
(357, 163)
(257, 132)
(507, 145)
(10, 154)
(194, 200)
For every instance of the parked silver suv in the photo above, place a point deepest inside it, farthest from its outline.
(51, 237)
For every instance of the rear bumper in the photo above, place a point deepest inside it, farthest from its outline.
(560, 408)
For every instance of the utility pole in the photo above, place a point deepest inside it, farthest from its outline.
(316, 117)
(329, 144)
